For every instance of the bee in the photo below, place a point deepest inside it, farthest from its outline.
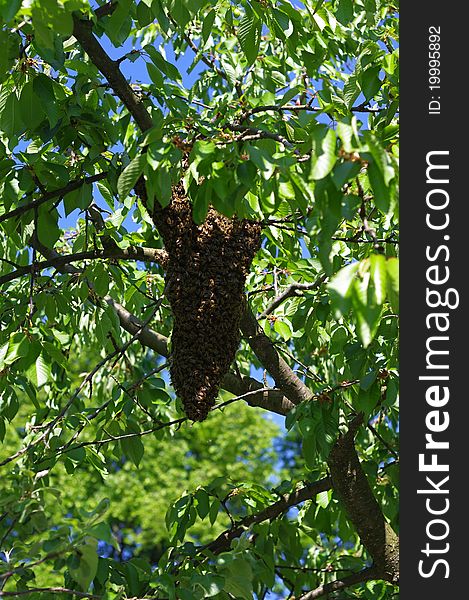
(181, 144)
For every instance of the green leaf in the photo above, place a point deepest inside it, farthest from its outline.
(100, 279)
(11, 122)
(381, 191)
(9, 45)
(348, 133)
(323, 498)
(133, 447)
(290, 94)
(9, 8)
(201, 203)
(48, 231)
(144, 14)
(282, 24)
(310, 452)
(323, 154)
(130, 175)
(80, 198)
(44, 89)
(381, 158)
(365, 309)
(247, 173)
(31, 112)
(378, 271)
(100, 531)
(163, 189)
(155, 75)
(87, 557)
(162, 64)
(39, 373)
(370, 82)
(207, 24)
(249, 36)
(211, 585)
(344, 12)
(340, 287)
(283, 328)
(119, 23)
(367, 400)
(203, 503)
(238, 578)
(368, 380)
(351, 91)
(214, 509)
(18, 347)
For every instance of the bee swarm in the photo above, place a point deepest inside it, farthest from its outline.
(205, 277)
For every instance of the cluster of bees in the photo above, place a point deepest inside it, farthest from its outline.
(205, 278)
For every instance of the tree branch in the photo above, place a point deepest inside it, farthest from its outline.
(70, 187)
(352, 486)
(310, 490)
(254, 133)
(285, 378)
(272, 400)
(292, 290)
(130, 253)
(203, 57)
(83, 32)
(106, 9)
(296, 108)
(340, 584)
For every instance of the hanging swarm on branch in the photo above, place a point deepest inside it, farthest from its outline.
(206, 272)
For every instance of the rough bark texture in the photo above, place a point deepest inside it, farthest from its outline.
(307, 492)
(285, 378)
(351, 484)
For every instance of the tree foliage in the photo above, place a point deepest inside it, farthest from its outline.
(275, 112)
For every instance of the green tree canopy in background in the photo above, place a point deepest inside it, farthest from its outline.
(148, 150)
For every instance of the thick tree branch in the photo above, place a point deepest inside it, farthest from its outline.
(59, 260)
(106, 9)
(351, 484)
(340, 584)
(292, 290)
(285, 378)
(272, 400)
(309, 491)
(83, 32)
(70, 187)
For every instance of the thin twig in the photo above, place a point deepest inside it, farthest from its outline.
(382, 440)
(340, 584)
(293, 289)
(130, 253)
(70, 187)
